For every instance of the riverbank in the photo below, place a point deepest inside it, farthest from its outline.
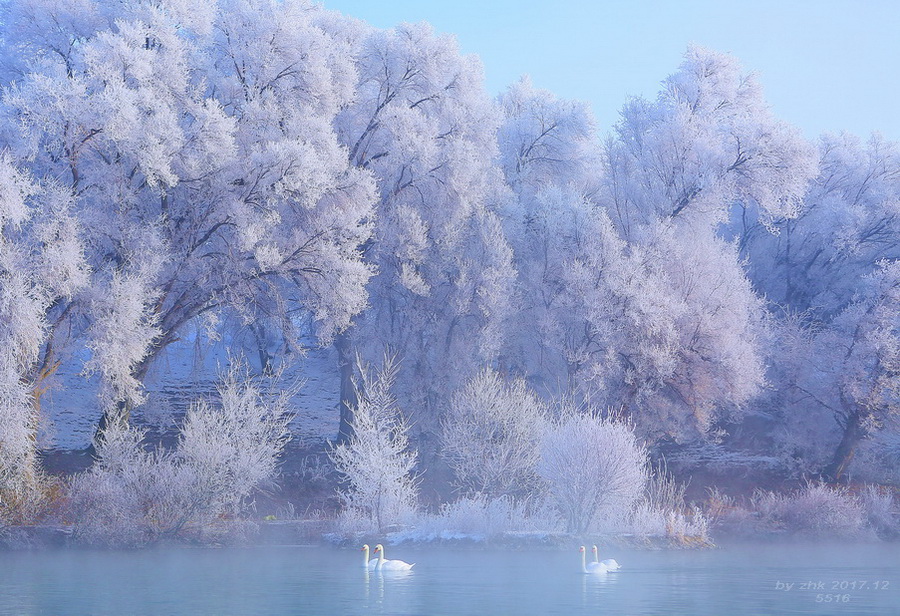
(323, 532)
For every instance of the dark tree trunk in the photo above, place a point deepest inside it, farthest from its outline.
(348, 399)
(122, 410)
(853, 433)
(266, 363)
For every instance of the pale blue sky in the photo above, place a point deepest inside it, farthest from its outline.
(825, 65)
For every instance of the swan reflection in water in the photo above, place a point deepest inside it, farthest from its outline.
(374, 581)
(595, 587)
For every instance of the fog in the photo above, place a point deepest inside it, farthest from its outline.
(742, 578)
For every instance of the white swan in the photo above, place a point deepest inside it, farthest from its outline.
(609, 563)
(390, 565)
(587, 567)
(368, 564)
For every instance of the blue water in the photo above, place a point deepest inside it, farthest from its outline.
(851, 580)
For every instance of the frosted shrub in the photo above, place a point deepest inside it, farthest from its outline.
(878, 505)
(663, 512)
(17, 446)
(687, 527)
(594, 466)
(377, 464)
(478, 516)
(131, 496)
(817, 509)
(663, 496)
(234, 448)
(491, 436)
(106, 500)
(25, 497)
(647, 521)
(723, 512)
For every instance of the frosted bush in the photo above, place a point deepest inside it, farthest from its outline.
(816, 509)
(491, 436)
(233, 448)
(723, 512)
(106, 500)
(648, 521)
(25, 497)
(663, 512)
(478, 516)
(878, 505)
(718, 504)
(131, 496)
(594, 466)
(41, 268)
(663, 491)
(376, 463)
(481, 517)
(685, 527)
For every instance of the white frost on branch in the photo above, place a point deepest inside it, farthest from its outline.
(377, 462)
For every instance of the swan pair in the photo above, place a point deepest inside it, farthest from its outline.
(381, 563)
(598, 566)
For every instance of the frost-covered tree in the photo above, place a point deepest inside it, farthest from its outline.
(491, 436)
(820, 268)
(707, 144)
(668, 327)
(847, 223)
(707, 151)
(683, 323)
(549, 158)
(631, 295)
(594, 467)
(41, 268)
(377, 462)
(423, 125)
(545, 140)
(671, 329)
(196, 139)
(859, 356)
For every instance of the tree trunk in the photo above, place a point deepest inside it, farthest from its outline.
(348, 399)
(853, 433)
(122, 411)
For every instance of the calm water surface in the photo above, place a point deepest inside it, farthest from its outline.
(737, 580)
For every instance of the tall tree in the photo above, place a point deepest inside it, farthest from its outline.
(549, 157)
(820, 268)
(637, 297)
(847, 223)
(421, 122)
(199, 147)
(706, 145)
(41, 269)
(676, 170)
(865, 349)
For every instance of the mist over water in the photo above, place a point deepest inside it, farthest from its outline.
(746, 579)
